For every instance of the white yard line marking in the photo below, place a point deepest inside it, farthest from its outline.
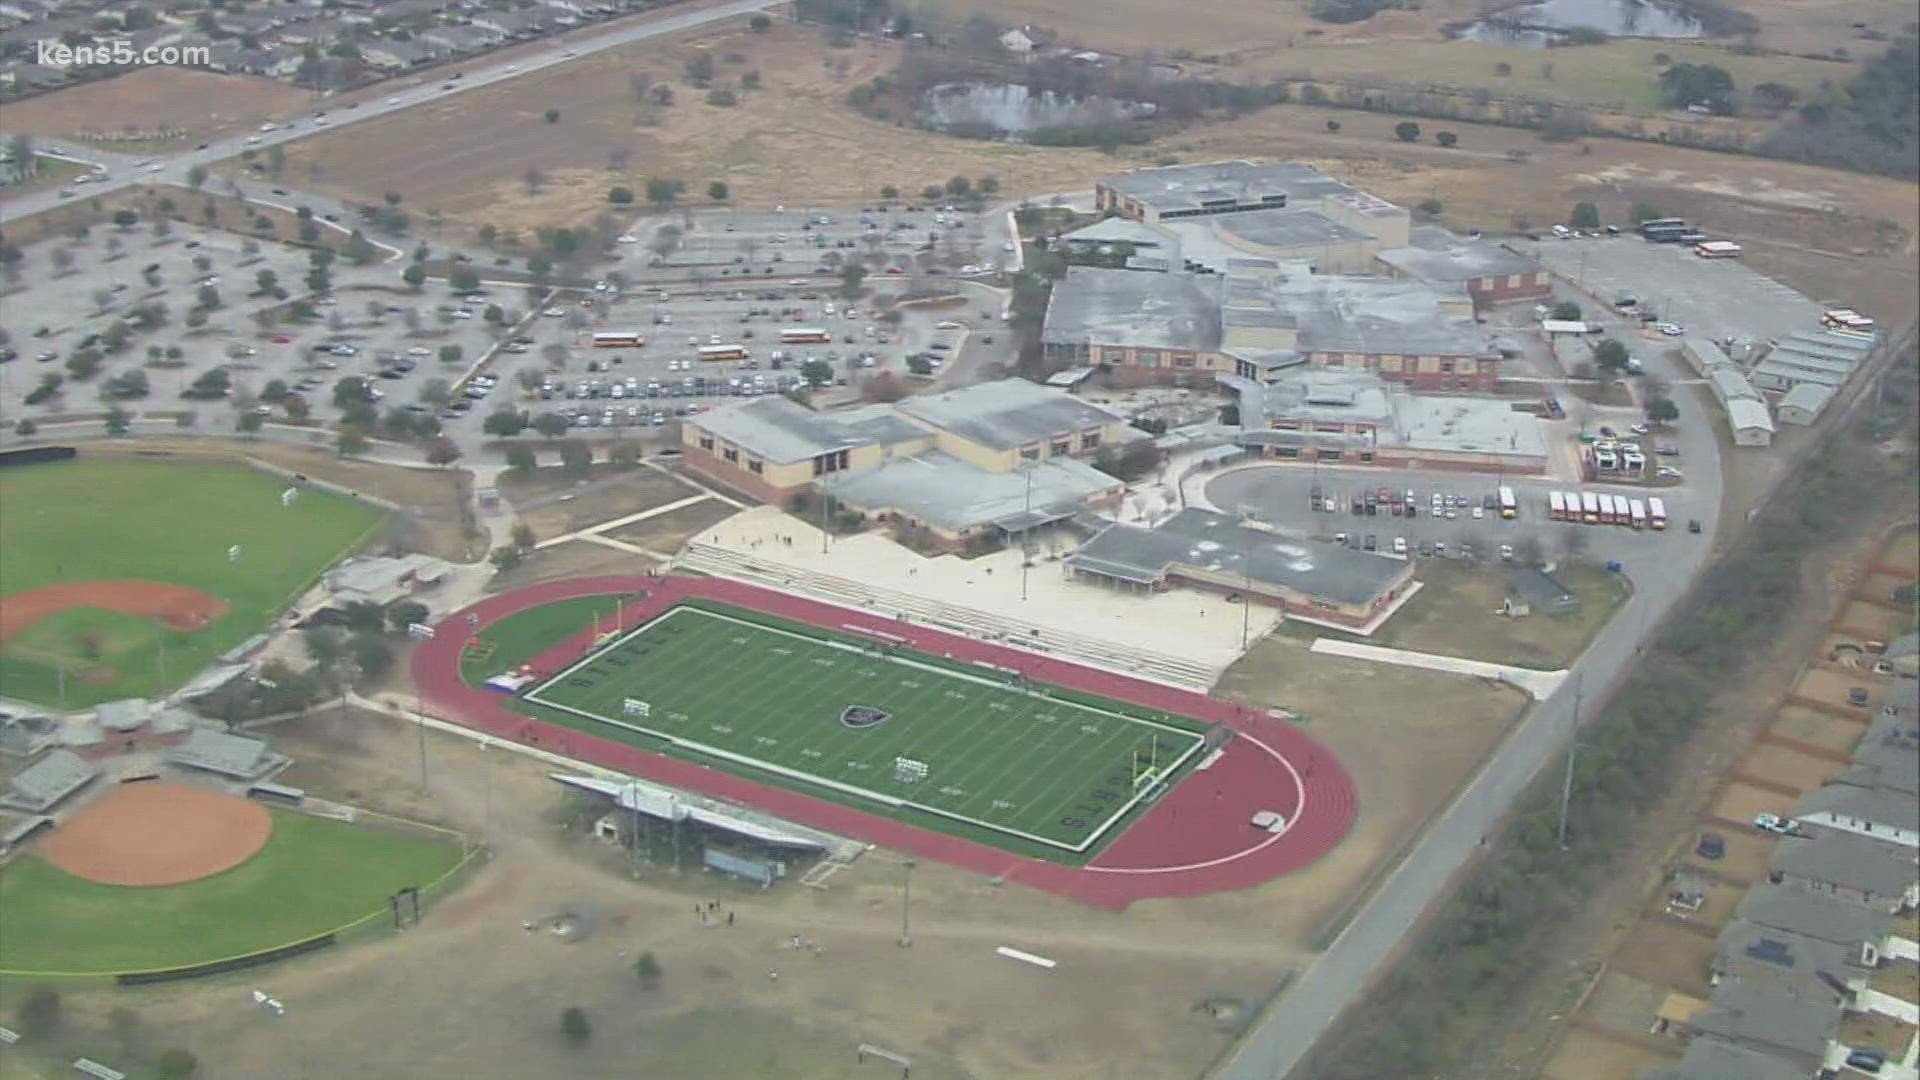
(1026, 958)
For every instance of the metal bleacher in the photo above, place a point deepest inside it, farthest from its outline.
(968, 622)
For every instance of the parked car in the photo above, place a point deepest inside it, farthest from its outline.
(1773, 823)
(1711, 846)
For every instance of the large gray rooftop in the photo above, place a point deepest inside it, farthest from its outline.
(41, 785)
(1351, 313)
(1401, 417)
(1436, 255)
(783, 431)
(953, 495)
(1877, 805)
(1189, 187)
(1134, 308)
(1886, 870)
(1205, 540)
(1781, 958)
(1006, 414)
(1770, 1019)
(1708, 1058)
(1286, 228)
(1814, 914)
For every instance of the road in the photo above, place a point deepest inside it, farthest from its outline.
(122, 171)
(1341, 976)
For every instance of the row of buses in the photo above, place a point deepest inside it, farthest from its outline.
(1600, 508)
(632, 339)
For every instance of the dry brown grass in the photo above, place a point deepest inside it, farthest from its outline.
(198, 103)
(792, 141)
(1589, 1055)
(1782, 765)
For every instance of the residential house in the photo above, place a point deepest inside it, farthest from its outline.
(1772, 1022)
(1709, 1058)
(512, 24)
(1874, 812)
(460, 40)
(390, 55)
(1815, 915)
(1809, 968)
(1871, 872)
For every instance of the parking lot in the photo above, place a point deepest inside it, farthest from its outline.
(757, 244)
(1717, 298)
(1464, 522)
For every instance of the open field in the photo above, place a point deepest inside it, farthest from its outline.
(1453, 614)
(433, 502)
(1027, 768)
(1819, 729)
(155, 522)
(1664, 954)
(194, 102)
(786, 143)
(1780, 765)
(667, 532)
(1619, 75)
(313, 875)
(1405, 761)
(1588, 1055)
(1739, 803)
(609, 495)
(1745, 862)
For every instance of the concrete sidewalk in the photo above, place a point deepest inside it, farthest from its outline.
(1539, 684)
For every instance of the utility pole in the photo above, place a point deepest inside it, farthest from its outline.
(1026, 553)
(420, 723)
(1246, 572)
(1573, 751)
(823, 520)
(906, 894)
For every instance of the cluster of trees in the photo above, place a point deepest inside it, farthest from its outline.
(1872, 123)
(1686, 85)
(41, 1016)
(1459, 975)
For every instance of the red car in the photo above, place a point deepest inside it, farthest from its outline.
(282, 339)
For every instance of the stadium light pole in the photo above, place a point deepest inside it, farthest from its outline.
(906, 895)
(1026, 525)
(1246, 571)
(420, 724)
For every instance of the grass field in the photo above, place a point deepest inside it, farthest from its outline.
(90, 520)
(314, 875)
(1033, 769)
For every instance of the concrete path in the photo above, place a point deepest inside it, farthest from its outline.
(593, 532)
(1539, 684)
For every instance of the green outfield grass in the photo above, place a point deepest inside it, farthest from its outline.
(169, 522)
(1035, 769)
(314, 875)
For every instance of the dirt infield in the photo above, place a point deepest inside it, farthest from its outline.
(179, 607)
(158, 834)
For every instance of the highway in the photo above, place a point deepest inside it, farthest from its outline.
(122, 170)
(1339, 978)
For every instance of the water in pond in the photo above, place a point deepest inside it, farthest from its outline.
(1538, 24)
(1012, 109)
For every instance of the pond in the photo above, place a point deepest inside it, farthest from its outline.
(1536, 25)
(1012, 109)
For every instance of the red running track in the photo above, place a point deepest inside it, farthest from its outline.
(1196, 839)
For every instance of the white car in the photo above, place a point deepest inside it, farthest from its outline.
(419, 350)
(1774, 823)
(601, 286)
(155, 168)
(1667, 472)
(393, 101)
(462, 313)
(1399, 545)
(628, 238)
(1506, 552)
(1639, 429)
(1670, 329)
(554, 312)
(266, 127)
(1479, 513)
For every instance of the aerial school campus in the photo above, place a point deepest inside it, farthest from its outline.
(1165, 569)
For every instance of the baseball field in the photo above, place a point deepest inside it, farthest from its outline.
(949, 746)
(65, 910)
(123, 577)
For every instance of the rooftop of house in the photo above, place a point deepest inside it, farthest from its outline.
(1770, 1019)
(1855, 862)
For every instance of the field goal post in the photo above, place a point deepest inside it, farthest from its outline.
(1146, 765)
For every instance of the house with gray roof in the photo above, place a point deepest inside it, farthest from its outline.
(1491, 273)
(1877, 874)
(1874, 812)
(1772, 1022)
(1709, 1058)
(1807, 967)
(1816, 915)
(1310, 579)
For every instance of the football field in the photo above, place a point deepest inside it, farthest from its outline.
(855, 719)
